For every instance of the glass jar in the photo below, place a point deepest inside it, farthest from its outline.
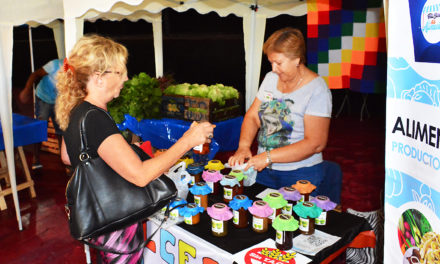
(291, 195)
(260, 224)
(192, 219)
(195, 171)
(284, 225)
(212, 179)
(240, 178)
(202, 149)
(230, 187)
(307, 224)
(240, 218)
(220, 214)
(201, 199)
(260, 211)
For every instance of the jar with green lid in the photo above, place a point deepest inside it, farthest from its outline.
(284, 225)
(276, 202)
(240, 178)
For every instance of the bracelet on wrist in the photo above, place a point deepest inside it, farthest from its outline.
(268, 158)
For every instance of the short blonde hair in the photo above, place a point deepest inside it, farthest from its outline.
(91, 54)
(288, 41)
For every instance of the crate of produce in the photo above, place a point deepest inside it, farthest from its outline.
(194, 102)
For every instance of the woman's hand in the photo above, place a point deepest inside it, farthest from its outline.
(240, 156)
(199, 133)
(259, 162)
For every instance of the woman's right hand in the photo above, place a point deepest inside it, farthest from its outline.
(199, 133)
(240, 156)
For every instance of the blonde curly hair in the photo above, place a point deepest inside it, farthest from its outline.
(91, 54)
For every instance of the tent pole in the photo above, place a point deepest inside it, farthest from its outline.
(6, 112)
(31, 51)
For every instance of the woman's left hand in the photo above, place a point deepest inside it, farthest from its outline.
(258, 162)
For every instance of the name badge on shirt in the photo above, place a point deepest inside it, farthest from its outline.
(268, 96)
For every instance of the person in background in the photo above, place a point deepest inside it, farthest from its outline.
(291, 114)
(45, 95)
(92, 75)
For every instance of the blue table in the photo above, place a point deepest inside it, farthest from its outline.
(162, 133)
(26, 131)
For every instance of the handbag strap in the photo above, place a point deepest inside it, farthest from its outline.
(83, 154)
(142, 244)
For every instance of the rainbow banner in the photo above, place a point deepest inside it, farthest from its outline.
(346, 43)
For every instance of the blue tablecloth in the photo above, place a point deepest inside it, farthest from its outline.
(162, 133)
(26, 131)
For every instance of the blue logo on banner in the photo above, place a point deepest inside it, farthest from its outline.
(425, 26)
(406, 84)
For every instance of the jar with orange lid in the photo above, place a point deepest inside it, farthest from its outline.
(220, 215)
(239, 205)
(260, 211)
(305, 188)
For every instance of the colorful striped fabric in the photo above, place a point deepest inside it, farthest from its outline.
(346, 43)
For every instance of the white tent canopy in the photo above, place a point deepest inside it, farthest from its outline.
(74, 13)
(253, 12)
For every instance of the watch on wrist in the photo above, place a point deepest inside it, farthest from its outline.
(268, 159)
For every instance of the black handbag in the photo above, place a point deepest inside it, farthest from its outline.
(100, 201)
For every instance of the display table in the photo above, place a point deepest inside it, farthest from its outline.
(163, 133)
(196, 244)
(26, 131)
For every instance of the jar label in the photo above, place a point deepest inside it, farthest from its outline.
(322, 219)
(217, 226)
(304, 224)
(174, 213)
(257, 223)
(188, 220)
(302, 198)
(236, 218)
(274, 214)
(227, 193)
(211, 185)
(279, 237)
(198, 200)
(192, 180)
(198, 148)
(287, 209)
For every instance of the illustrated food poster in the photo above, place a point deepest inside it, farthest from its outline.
(412, 198)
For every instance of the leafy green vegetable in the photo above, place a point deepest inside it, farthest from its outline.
(217, 93)
(140, 98)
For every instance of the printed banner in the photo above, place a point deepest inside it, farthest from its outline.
(346, 43)
(412, 178)
(174, 245)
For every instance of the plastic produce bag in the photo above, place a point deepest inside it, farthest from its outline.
(250, 173)
(180, 177)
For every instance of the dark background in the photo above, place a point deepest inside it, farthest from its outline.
(197, 48)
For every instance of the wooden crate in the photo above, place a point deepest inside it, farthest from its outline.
(192, 108)
(52, 144)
